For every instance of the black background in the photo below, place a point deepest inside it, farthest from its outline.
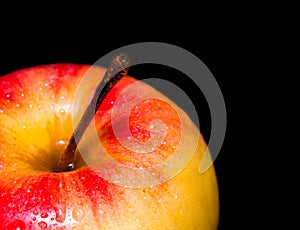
(219, 46)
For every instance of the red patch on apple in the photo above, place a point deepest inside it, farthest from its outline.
(140, 129)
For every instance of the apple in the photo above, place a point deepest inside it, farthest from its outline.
(36, 113)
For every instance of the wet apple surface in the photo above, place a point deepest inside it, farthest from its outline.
(37, 111)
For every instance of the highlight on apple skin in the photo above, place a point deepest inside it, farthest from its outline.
(36, 121)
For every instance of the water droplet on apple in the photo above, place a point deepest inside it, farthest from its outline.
(35, 212)
(30, 105)
(44, 215)
(101, 211)
(1, 111)
(60, 185)
(11, 205)
(78, 214)
(17, 225)
(60, 214)
(62, 111)
(22, 95)
(17, 105)
(71, 166)
(61, 142)
(34, 218)
(60, 219)
(42, 225)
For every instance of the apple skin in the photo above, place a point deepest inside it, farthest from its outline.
(36, 106)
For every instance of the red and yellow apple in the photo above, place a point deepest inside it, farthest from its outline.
(36, 109)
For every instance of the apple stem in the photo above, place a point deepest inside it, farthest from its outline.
(117, 69)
